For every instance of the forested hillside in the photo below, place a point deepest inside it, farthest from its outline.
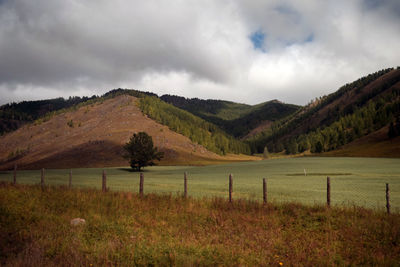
(325, 124)
(210, 108)
(197, 129)
(236, 119)
(353, 111)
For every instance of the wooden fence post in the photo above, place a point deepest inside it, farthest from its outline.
(230, 187)
(141, 184)
(328, 191)
(42, 179)
(15, 174)
(104, 183)
(265, 190)
(387, 199)
(70, 179)
(185, 185)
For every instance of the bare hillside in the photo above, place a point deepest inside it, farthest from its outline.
(93, 136)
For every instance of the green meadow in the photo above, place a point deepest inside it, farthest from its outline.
(354, 181)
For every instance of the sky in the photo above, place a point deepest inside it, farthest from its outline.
(245, 51)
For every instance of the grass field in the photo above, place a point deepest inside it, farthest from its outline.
(359, 181)
(124, 229)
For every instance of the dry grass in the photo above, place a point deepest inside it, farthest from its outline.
(124, 229)
(93, 136)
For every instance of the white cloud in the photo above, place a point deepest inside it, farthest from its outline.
(52, 48)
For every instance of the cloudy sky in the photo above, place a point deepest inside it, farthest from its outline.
(248, 51)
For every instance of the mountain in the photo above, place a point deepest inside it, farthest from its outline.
(92, 135)
(362, 118)
(330, 122)
(239, 120)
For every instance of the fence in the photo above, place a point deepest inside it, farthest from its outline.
(328, 191)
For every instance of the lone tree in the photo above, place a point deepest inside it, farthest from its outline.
(140, 151)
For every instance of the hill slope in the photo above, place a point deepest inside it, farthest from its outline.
(92, 136)
(14, 115)
(376, 144)
(354, 111)
(236, 119)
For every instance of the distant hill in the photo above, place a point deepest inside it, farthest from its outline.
(330, 122)
(361, 118)
(198, 130)
(92, 134)
(14, 115)
(221, 109)
(236, 119)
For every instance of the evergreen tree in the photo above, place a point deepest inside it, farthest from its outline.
(392, 131)
(140, 151)
(397, 126)
(265, 153)
(279, 147)
(319, 147)
(292, 147)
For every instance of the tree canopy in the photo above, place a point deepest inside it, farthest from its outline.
(141, 152)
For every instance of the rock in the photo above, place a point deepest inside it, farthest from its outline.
(77, 221)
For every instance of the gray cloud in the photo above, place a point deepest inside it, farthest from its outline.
(52, 48)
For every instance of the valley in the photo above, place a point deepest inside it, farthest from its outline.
(90, 132)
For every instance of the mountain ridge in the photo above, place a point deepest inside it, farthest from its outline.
(336, 124)
(353, 111)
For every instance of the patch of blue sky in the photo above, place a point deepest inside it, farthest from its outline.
(258, 40)
(309, 39)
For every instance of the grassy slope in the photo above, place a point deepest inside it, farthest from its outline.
(124, 229)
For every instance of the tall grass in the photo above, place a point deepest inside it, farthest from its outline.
(159, 229)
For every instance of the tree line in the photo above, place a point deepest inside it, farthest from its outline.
(373, 116)
(195, 128)
(350, 122)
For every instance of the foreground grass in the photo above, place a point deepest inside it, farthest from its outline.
(123, 229)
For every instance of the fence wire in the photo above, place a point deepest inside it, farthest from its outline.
(309, 189)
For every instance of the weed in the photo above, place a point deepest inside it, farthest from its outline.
(126, 229)
(70, 123)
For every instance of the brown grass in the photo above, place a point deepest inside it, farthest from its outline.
(124, 229)
(95, 139)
